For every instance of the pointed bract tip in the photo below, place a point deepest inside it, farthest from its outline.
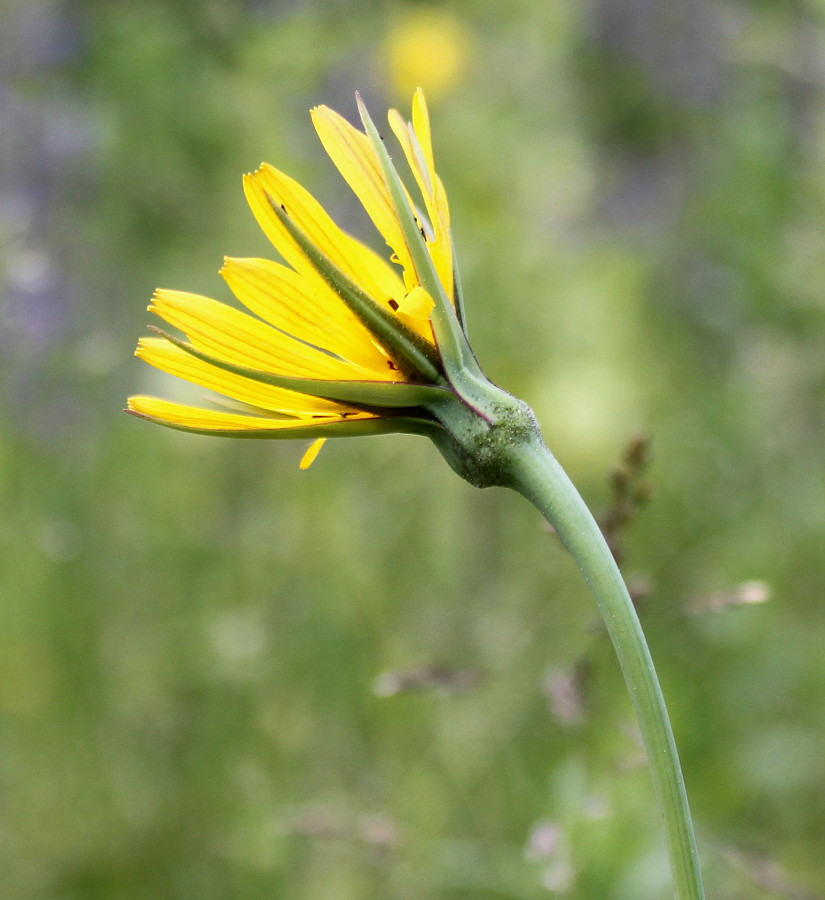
(362, 107)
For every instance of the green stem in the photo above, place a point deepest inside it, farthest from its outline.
(535, 474)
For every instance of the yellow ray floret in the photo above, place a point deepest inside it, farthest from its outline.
(193, 418)
(416, 142)
(312, 453)
(354, 156)
(240, 339)
(167, 357)
(361, 265)
(316, 315)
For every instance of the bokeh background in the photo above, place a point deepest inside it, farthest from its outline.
(222, 677)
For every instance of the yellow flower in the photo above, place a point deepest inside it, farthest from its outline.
(428, 46)
(339, 341)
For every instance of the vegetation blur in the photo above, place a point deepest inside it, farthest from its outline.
(222, 677)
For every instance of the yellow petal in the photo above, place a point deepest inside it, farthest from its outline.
(356, 160)
(238, 338)
(312, 453)
(288, 301)
(441, 246)
(414, 311)
(171, 359)
(421, 126)
(193, 417)
(417, 146)
(417, 304)
(363, 266)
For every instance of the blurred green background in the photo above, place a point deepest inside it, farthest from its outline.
(222, 677)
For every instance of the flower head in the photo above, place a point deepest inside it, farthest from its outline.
(336, 340)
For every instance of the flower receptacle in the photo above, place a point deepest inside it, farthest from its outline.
(480, 438)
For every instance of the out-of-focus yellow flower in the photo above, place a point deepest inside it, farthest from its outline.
(429, 47)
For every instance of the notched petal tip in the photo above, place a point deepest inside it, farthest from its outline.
(262, 169)
(248, 179)
(157, 299)
(228, 264)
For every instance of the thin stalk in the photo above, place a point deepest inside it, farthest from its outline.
(536, 475)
